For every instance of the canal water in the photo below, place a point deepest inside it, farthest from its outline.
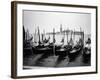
(34, 61)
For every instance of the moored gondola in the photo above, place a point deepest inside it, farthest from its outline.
(87, 51)
(74, 53)
(76, 50)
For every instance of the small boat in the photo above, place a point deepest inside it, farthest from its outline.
(61, 51)
(87, 51)
(42, 50)
(27, 46)
(74, 52)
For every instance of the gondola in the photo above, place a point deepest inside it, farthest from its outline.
(41, 49)
(86, 55)
(74, 52)
(27, 49)
(87, 51)
(61, 52)
(43, 45)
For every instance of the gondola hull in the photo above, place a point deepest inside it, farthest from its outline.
(86, 55)
(74, 53)
(42, 50)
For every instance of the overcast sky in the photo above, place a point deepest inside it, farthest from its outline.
(47, 20)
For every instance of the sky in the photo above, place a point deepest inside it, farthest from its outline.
(47, 20)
